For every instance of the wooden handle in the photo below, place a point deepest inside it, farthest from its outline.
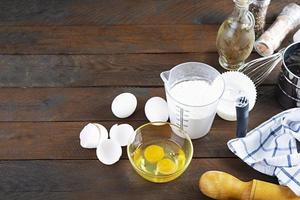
(223, 186)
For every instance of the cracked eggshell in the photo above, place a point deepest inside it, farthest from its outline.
(121, 133)
(103, 132)
(156, 110)
(109, 151)
(113, 129)
(124, 105)
(89, 136)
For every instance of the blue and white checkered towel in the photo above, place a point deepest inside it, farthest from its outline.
(271, 148)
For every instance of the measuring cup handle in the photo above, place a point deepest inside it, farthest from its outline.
(165, 76)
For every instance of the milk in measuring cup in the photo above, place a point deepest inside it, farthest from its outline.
(194, 107)
(193, 91)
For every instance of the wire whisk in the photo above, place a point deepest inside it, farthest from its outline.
(259, 69)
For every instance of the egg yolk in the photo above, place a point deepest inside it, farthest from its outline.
(166, 166)
(154, 153)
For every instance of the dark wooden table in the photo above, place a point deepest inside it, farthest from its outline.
(62, 63)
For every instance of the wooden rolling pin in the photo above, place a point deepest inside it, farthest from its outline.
(223, 186)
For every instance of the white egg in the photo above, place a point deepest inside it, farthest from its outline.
(124, 105)
(109, 151)
(156, 110)
(121, 133)
(89, 136)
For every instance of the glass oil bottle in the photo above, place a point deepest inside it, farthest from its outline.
(236, 36)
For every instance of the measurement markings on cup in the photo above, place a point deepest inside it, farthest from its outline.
(181, 117)
(185, 118)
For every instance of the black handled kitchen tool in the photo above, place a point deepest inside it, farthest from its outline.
(242, 115)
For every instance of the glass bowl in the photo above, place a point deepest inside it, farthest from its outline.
(159, 151)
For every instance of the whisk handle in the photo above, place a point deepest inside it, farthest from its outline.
(242, 115)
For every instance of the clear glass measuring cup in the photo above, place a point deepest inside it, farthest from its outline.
(193, 91)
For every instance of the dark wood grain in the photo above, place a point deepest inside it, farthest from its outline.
(84, 104)
(91, 179)
(61, 65)
(98, 70)
(68, 104)
(60, 140)
(92, 70)
(70, 12)
(107, 39)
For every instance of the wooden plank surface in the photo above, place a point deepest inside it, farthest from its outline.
(115, 39)
(92, 70)
(70, 180)
(98, 70)
(114, 12)
(107, 39)
(62, 63)
(91, 104)
(59, 140)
